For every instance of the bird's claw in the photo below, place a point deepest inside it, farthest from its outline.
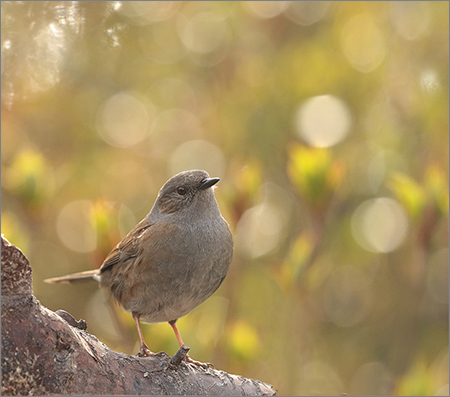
(145, 352)
(198, 363)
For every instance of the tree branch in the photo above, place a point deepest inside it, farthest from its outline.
(48, 353)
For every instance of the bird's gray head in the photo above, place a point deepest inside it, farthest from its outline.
(188, 191)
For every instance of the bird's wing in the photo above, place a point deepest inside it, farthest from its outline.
(128, 248)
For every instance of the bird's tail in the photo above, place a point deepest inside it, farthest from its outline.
(76, 277)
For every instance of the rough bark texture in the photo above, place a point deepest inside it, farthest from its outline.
(47, 353)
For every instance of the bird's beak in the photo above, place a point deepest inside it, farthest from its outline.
(208, 182)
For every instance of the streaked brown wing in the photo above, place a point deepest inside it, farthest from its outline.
(134, 262)
(128, 248)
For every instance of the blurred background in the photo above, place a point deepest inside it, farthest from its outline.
(327, 123)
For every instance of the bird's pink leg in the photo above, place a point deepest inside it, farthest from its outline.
(181, 343)
(145, 351)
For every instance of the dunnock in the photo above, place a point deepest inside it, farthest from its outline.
(173, 260)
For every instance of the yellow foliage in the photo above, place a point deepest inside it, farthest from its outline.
(437, 187)
(314, 174)
(415, 197)
(13, 231)
(409, 193)
(101, 216)
(244, 340)
(417, 382)
(29, 176)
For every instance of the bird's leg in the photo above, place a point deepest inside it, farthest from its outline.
(177, 333)
(145, 351)
(181, 343)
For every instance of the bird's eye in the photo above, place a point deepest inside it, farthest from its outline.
(181, 190)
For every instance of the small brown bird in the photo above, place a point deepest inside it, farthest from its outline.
(173, 260)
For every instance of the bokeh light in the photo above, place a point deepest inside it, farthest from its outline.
(204, 32)
(372, 377)
(429, 80)
(259, 229)
(323, 121)
(262, 228)
(198, 154)
(380, 225)
(320, 378)
(363, 43)
(265, 9)
(307, 12)
(6, 45)
(146, 12)
(75, 228)
(124, 120)
(411, 19)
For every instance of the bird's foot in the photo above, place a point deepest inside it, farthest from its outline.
(145, 352)
(198, 363)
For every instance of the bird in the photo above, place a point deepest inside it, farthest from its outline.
(173, 260)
